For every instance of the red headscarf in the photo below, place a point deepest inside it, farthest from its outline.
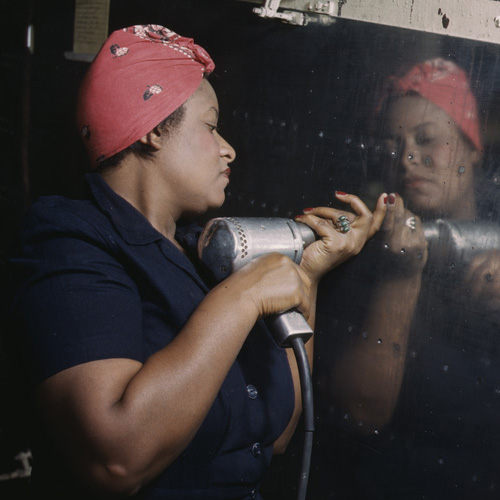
(446, 85)
(139, 77)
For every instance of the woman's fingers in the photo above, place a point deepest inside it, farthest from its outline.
(342, 233)
(274, 283)
(379, 214)
(360, 217)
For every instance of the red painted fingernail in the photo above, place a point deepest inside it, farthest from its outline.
(307, 209)
(340, 192)
(385, 200)
(392, 199)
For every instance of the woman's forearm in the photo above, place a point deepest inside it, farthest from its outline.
(367, 379)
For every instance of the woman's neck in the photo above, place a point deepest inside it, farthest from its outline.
(135, 181)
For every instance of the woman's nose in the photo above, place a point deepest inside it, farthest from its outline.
(411, 157)
(227, 151)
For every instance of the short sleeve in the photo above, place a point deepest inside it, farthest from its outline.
(77, 303)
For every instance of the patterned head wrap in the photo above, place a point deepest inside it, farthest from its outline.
(446, 85)
(139, 77)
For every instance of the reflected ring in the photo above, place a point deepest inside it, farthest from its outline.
(411, 222)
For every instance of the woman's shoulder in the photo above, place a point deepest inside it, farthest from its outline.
(58, 214)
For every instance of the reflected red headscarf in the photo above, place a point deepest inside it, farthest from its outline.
(446, 85)
(139, 77)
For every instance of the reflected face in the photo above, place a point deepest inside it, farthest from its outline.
(432, 165)
(195, 158)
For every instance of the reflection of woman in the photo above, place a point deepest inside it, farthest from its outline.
(146, 382)
(420, 375)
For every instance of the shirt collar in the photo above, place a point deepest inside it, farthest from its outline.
(136, 229)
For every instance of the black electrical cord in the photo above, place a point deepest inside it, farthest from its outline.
(307, 412)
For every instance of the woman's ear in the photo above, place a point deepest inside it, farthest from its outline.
(152, 139)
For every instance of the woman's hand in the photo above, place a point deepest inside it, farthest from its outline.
(402, 246)
(272, 283)
(340, 238)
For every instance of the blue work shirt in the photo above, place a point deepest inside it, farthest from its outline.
(100, 282)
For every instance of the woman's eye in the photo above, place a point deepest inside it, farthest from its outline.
(422, 140)
(212, 127)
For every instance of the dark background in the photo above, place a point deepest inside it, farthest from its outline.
(294, 103)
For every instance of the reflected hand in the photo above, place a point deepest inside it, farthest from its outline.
(342, 234)
(401, 237)
(482, 279)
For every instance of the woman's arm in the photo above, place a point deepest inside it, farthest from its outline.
(366, 380)
(120, 423)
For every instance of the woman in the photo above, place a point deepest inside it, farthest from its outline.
(147, 382)
(419, 376)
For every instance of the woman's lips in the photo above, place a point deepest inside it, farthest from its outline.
(414, 182)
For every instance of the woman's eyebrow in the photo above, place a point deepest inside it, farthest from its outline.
(423, 125)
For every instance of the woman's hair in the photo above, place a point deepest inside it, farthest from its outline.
(166, 126)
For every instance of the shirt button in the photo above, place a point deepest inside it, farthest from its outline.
(256, 451)
(252, 391)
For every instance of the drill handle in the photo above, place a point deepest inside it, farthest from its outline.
(287, 326)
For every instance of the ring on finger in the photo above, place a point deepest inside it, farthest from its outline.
(343, 224)
(411, 222)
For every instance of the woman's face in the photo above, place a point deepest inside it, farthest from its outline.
(431, 165)
(195, 158)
